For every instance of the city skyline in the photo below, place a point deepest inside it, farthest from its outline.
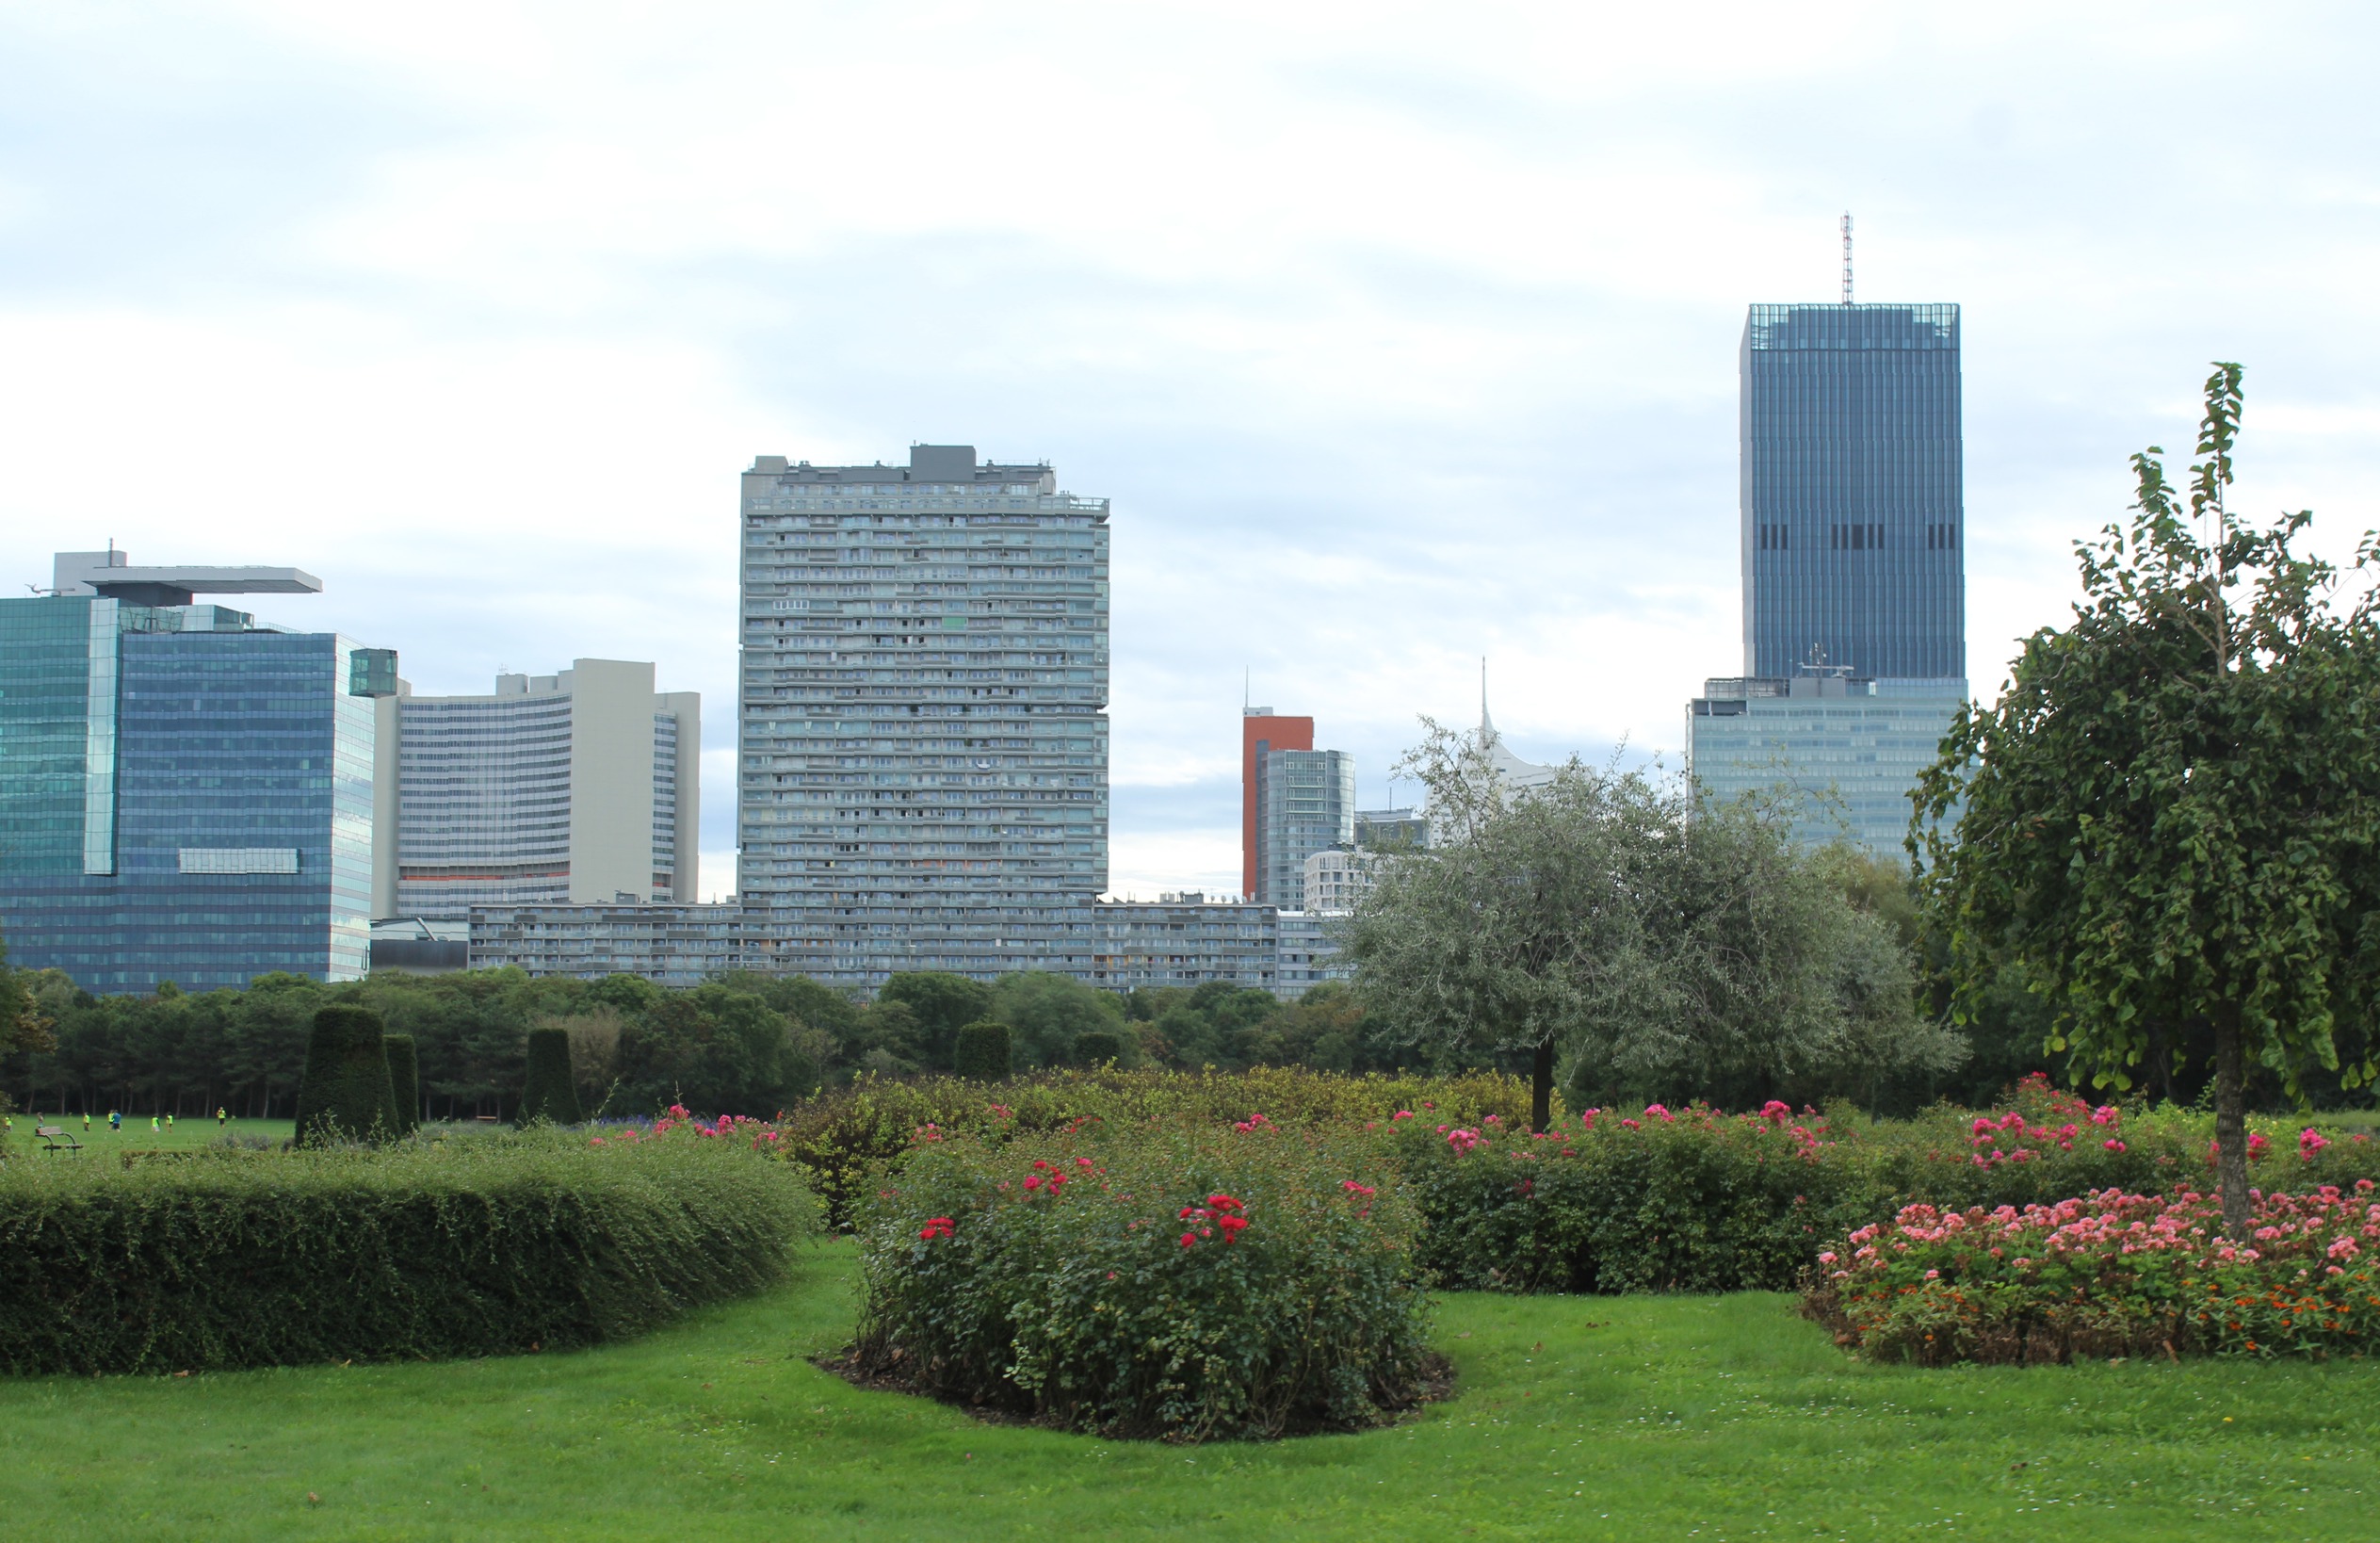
(469, 330)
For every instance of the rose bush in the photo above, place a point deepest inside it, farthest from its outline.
(1188, 1283)
(2110, 1274)
(1691, 1200)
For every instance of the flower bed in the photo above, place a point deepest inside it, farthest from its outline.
(1694, 1199)
(2108, 1275)
(1191, 1284)
(493, 1244)
(848, 1137)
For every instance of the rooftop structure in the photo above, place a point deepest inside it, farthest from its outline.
(112, 574)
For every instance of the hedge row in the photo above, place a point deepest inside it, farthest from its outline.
(483, 1246)
(1697, 1201)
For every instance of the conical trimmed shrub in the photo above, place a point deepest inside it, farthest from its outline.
(345, 1094)
(404, 1076)
(550, 1094)
(982, 1052)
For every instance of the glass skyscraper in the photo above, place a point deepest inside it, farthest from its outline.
(1853, 550)
(1306, 804)
(923, 730)
(1851, 510)
(184, 796)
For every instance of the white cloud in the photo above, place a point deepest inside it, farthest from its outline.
(1400, 334)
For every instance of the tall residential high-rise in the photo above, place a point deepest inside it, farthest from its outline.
(923, 746)
(1261, 732)
(1306, 804)
(582, 787)
(1852, 543)
(185, 795)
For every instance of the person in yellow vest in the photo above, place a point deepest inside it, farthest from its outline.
(154, 1125)
(169, 1122)
(87, 1122)
(218, 1116)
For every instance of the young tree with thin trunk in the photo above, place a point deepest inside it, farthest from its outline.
(2172, 816)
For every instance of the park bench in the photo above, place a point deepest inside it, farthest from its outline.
(50, 1143)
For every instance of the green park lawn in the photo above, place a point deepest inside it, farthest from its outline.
(1640, 1417)
(137, 1137)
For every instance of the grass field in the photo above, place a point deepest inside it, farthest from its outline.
(1638, 1418)
(137, 1137)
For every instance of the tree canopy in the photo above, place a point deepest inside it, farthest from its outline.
(1654, 939)
(2168, 820)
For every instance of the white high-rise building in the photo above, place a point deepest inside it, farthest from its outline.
(923, 769)
(577, 788)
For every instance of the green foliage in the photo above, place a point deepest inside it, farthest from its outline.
(346, 1095)
(551, 1092)
(2167, 817)
(849, 1137)
(404, 1080)
(715, 1049)
(1611, 918)
(982, 1052)
(940, 1004)
(485, 1246)
(1045, 1013)
(1192, 1285)
(1099, 1047)
(2103, 1276)
(1701, 1202)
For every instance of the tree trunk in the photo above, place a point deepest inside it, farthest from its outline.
(2160, 1070)
(2231, 1125)
(1541, 1088)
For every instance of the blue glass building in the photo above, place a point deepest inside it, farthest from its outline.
(1852, 503)
(1852, 551)
(183, 796)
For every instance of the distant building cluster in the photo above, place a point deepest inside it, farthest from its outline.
(189, 794)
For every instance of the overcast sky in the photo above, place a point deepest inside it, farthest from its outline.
(1399, 335)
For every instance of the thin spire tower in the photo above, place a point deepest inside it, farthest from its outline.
(1847, 257)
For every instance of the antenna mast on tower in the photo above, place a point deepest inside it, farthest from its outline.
(1847, 258)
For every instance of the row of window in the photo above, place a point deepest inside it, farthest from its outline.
(1857, 537)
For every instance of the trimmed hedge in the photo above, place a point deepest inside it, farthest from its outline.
(1185, 1284)
(404, 1077)
(1693, 1201)
(487, 1245)
(1099, 1047)
(551, 1093)
(983, 1052)
(346, 1095)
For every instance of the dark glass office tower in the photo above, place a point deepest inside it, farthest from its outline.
(1853, 513)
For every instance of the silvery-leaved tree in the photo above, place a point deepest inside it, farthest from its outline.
(1606, 918)
(2172, 816)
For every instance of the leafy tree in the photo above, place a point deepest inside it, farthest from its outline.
(942, 1003)
(2168, 820)
(1607, 915)
(1046, 1011)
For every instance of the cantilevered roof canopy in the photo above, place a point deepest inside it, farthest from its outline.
(111, 574)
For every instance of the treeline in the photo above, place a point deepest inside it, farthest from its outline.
(745, 1044)
(748, 1044)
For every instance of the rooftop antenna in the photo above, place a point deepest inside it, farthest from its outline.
(1847, 257)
